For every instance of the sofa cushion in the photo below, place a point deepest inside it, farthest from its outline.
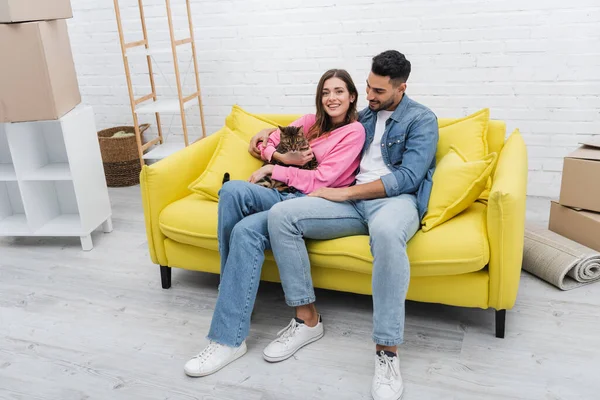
(457, 183)
(191, 220)
(470, 136)
(246, 124)
(231, 156)
(458, 246)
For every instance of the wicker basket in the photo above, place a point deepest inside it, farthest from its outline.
(120, 156)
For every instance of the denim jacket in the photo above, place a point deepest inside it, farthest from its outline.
(408, 147)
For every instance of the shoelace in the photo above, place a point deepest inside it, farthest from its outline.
(286, 333)
(386, 370)
(208, 351)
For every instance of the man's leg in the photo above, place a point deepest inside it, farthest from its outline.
(238, 199)
(392, 223)
(289, 223)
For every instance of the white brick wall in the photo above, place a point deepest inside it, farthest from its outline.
(535, 63)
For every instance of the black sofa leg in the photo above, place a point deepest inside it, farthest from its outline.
(165, 276)
(500, 323)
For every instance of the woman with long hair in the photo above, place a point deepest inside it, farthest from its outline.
(336, 140)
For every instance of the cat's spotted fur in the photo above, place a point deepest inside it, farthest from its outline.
(291, 139)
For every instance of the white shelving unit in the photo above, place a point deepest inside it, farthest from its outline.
(52, 180)
(167, 106)
(163, 151)
(7, 169)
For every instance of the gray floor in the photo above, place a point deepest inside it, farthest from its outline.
(97, 325)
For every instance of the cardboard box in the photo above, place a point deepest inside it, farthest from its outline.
(37, 74)
(580, 186)
(580, 226)
(34, 10)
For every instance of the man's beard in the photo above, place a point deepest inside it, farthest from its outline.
(383, 106)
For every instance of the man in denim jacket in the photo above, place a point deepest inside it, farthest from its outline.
(387, 202)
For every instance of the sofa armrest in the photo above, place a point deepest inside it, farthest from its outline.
(506, 222)
(167, 181)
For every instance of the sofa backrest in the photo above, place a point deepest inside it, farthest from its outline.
(496, 130)
(281, 119)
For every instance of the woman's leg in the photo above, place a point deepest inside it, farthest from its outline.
(239, 283)
(243, 238)
(238, 199)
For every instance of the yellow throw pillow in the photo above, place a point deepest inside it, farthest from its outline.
(245, 124)
(457, 183)
(231, 156)
(468, 135)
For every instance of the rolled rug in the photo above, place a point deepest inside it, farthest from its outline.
(560, 261)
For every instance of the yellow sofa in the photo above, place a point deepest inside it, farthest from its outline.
(472, 260)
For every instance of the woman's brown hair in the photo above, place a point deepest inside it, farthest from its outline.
(323, 123)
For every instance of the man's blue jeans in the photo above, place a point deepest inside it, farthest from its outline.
(390, 223)
(243, 238)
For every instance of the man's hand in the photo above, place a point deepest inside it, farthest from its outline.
(332, 194)
(260, 137)
(366, 191)
(261, 173)
(298, 158)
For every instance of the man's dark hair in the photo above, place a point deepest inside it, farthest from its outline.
(392, 63)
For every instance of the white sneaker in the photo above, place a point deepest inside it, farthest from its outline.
(291, 339)
(387, 382)
(214, 357)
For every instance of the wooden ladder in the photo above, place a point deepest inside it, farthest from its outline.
(141, 105)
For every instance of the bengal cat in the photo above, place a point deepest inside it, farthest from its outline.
(291, 139)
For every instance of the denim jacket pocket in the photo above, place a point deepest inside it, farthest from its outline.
(395, 149)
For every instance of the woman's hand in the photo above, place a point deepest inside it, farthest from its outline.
(261, 173)
(298, 158)
(260, 137)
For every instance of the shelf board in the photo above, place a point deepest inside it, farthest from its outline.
(50, 172)
(63, 225)
(14, 225)
(7, 172)
(161, 151)
(170, 106)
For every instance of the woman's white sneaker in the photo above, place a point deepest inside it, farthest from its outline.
(291, 339)
(214, 357)
(387, 382)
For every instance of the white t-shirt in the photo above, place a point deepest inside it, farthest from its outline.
(372, 166)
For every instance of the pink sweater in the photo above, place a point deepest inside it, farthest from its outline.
(337, 153)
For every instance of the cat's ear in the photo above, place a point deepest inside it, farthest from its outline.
(300, 130)
(281, 128)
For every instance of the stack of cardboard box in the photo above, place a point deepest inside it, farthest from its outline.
(37, 74)
(577, 213)
(51, 178)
